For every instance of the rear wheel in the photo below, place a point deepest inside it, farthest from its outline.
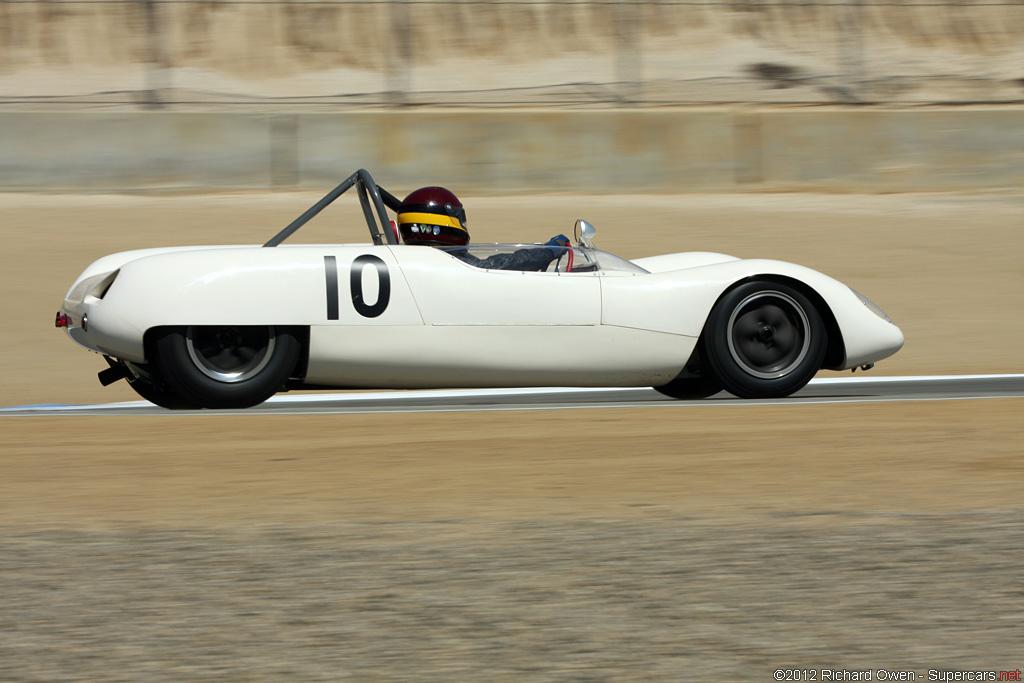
(227, 366)
(161, 396)
(152, 387)
(764, 340)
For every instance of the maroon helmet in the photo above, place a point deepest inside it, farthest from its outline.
(433, 216)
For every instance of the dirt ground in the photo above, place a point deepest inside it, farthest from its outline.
(612, 544)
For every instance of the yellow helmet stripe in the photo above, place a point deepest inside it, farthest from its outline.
(430, 219)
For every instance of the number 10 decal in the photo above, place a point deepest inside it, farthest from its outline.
(356, 286)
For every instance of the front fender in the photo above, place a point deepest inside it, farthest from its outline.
(679, 302)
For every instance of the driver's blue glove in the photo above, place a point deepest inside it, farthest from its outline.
(557, 245)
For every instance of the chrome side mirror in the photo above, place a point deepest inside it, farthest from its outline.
(584, 233)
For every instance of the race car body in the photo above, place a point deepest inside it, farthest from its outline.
(229, 326)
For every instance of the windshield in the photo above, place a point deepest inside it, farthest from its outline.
(583, 260)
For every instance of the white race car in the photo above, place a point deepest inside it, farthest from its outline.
(229, 326)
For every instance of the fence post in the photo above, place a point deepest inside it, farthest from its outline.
(157, 75)
(398, 48)
(850, 25)
(628, 21)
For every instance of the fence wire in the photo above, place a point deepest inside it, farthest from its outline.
(330, 54)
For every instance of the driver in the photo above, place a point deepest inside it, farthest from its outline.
(435, 217)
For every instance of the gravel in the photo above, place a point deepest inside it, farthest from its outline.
(560, 600)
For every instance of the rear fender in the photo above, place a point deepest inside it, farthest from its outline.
(297, 287)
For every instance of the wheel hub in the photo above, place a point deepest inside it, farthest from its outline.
(768, 334)
(228, 339)
(230, 354)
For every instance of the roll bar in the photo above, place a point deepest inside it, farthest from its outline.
(371, 198)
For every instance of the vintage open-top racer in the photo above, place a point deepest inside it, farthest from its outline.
(227, 327)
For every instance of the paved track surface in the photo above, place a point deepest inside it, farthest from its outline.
(823, 390)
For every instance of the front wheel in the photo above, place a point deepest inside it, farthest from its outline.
(764, 340)
(691, 388)
(227, 366)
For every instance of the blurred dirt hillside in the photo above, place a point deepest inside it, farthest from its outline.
(447, 52)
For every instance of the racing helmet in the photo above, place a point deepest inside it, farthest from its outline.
(433, 216)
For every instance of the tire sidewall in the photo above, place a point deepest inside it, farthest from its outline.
(186, 379)
(162, 397)
(690, 388)
(733, 376)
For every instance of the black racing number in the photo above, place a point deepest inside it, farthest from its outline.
(331, 269)
(383, 289)
(356, 285)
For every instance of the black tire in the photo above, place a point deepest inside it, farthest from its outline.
(226, 366)
(691, 388)
(764, 340)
